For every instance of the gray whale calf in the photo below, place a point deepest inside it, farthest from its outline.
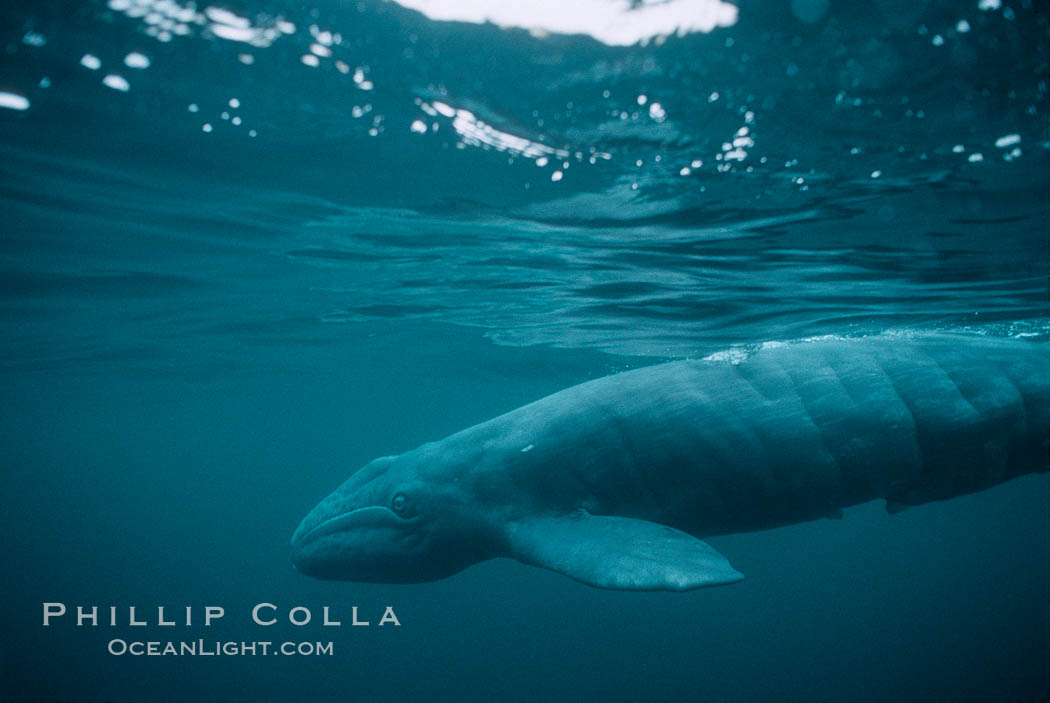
(614, 482)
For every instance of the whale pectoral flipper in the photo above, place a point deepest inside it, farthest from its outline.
(619, 553)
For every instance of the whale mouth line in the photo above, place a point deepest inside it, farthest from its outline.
(341, 522)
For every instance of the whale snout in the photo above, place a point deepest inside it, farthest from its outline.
(387, 524)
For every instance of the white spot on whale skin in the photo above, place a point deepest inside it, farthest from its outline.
(527, 449)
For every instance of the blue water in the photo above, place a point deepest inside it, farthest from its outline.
(229, 276)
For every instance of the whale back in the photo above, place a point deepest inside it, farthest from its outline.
(789, 433)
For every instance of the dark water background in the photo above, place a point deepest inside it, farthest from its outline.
(204, 332)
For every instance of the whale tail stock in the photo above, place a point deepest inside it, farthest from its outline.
(619, 553)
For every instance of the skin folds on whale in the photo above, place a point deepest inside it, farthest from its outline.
(616, 481)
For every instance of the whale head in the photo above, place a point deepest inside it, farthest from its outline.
(392, 522)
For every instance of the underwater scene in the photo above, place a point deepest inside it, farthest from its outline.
(538, 352)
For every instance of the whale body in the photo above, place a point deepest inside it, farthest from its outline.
(615, 482)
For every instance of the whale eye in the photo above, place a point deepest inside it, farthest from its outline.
(400, 505)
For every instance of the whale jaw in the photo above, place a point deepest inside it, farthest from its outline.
(374, 544)
(349, 545)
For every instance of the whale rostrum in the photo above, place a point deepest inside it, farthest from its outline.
(615, 482)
